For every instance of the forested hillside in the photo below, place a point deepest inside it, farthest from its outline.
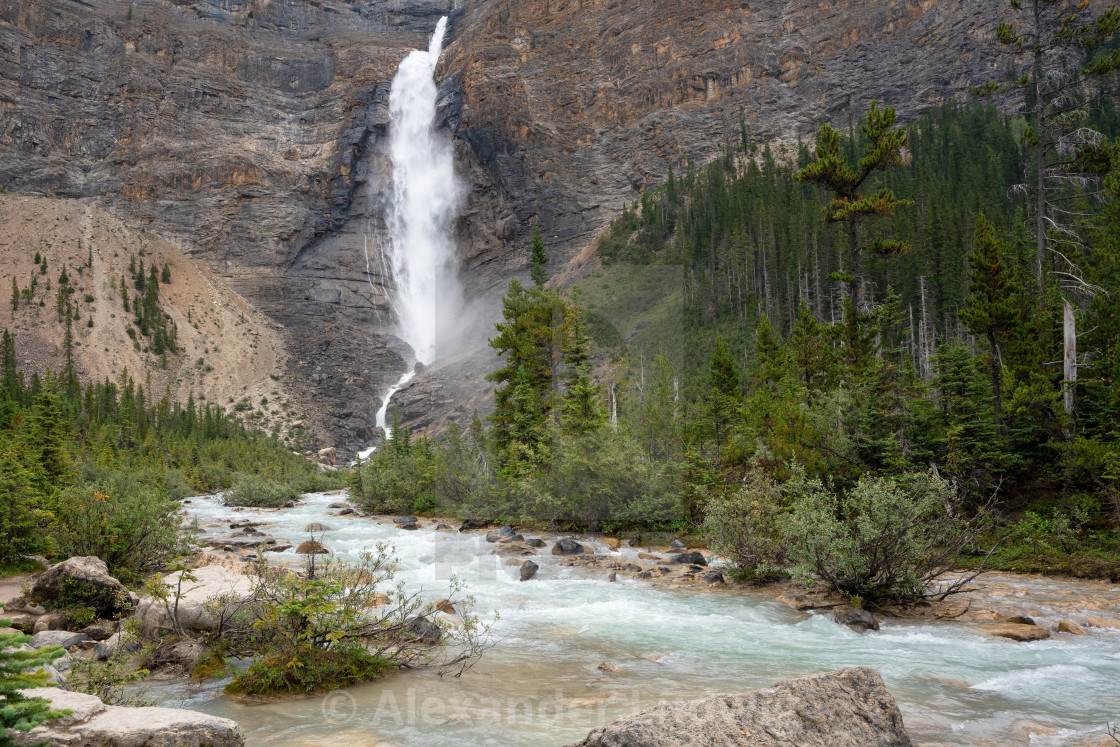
(734, 340)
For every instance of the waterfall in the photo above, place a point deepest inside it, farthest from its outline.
(423, 203)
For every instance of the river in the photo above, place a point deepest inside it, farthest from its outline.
(541, 684)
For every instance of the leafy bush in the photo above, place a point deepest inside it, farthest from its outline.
(887, 537)
(257, 491)
(336, 624)
(123, 519)
(746, 527)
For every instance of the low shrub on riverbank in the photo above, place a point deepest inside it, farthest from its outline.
(257, 491)
(883, 538)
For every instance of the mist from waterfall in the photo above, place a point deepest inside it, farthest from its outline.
(423, 204)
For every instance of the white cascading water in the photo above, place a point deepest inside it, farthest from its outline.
(424, 201)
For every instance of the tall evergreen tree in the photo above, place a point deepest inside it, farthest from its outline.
(537, 258)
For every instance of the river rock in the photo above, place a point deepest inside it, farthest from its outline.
(92, 723)
(405, 520)
(567, 546)
(317, 526)
(504, 534)
(612, 577)
(1102, 622)
(1069, 626)
(528, 570)
(347, 512)
(848, 708)
(445, 606)
(692, 558)
(857, 619)
(470, 524)
(210, 581)
(1020, 620)
(90, 575)
(714, 577)
(606, 666)
(423, 630)
(678, 545)
(97, 632)
(175, 656)
(338, 505)
(1017, 632)
(535, 542)
(57, 638)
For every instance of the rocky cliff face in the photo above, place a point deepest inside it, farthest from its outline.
(252, 133)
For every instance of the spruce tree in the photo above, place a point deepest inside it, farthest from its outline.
(990, 310)
(19, 713)
(537, 258)
(15, 297)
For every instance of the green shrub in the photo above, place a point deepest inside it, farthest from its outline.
(747, 528)
(887, 537)
(256, 491)
(20, 713)
(122, 518)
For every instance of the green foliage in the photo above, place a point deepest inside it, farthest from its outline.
(538, 258)
(336, 624)
(257, 491)
(747, 527)
(21, 670)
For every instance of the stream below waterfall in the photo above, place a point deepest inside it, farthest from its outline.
(540, 684)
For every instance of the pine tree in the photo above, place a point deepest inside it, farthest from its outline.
(165, 276)
(15, 297)
(18, 673)
(990, 310)
(537, 258)
(725, 394)
(849, 205)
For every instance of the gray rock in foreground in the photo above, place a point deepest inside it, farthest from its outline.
(94, 724)
(848, 708)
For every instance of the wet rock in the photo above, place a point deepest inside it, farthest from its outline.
(535, 542)
(1102, 622)
(1017, 632)
(175, 656)
(507, 549)
(423, 630)
(338, 505)
(317, 526)
(347, 512)
(1069, 626)
(1021, 620)
(311, 547)
(693, 558)
(528, 570)
(606, 666)
(57, 638)
(645, 574)
(612, 542)
(445, 606)
(612, 577)
(567, 546)
(857, 619)
(504, 534)
(443, 528)
(678, 545)
(95, 724)
(848, 707)
(648, 556)
(405, 519)
(470, 524)
(410, 526)
(713, 577)
(278, 547)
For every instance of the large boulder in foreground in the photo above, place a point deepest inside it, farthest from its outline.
(83, 579)
(848, 708)
(94, 724)
(211, 581)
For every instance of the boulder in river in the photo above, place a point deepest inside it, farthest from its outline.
(848, 708)
(505, 534)
(567, 546)
(535, 542)
(1017, 632)
(1069, 626)
(316, 526)
(92, 722)
(857, 619)
(423, 630)
(691, 558)
(405, 520)
(713, 577)
(528, 570)
(470, 524)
